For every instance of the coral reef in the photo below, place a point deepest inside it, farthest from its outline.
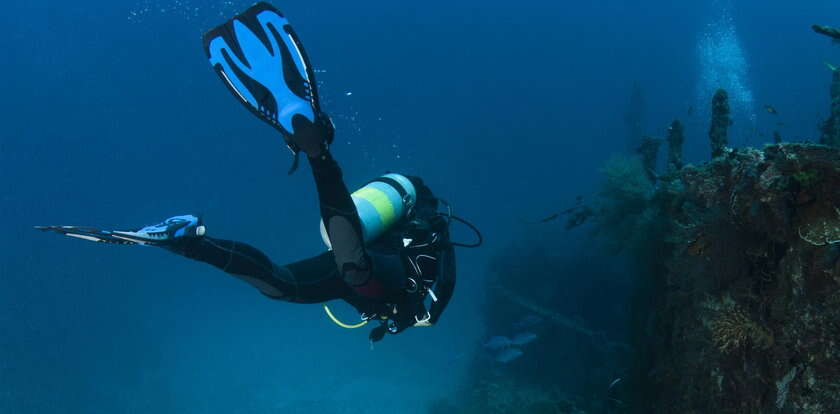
(732, 329)
(737, 308)
(831, 126)
(624, 220)
(732, 287)
(720, 123)
(675, 139)
(746, 315)
(822, 231)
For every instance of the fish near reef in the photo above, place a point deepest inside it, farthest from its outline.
(507, 355)
(523, 338)
(497, 342)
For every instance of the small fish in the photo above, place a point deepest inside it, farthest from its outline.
(507, 355)
(561, 213)
(780, 123)
(771, 110)
(831, 67)
(523, 338)
(348, 93)
(691, 110)
(497, 342)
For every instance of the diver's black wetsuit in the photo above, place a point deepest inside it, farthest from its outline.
(375, 281)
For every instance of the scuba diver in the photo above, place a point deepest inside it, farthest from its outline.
(389, 248)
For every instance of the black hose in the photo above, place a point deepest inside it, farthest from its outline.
(450, 216)
(473, 228)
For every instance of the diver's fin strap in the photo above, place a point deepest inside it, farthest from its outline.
(296, 161)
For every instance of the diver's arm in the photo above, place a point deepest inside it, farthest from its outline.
(445, 284)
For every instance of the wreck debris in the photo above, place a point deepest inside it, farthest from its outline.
(634, 117)
(831, 127)
(649, 150)
(675, 146)
(827, 31)
(720, 123)
(560, 320)
(555, 318)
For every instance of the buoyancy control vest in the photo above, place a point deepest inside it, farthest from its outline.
(399, 217)
(418, 240)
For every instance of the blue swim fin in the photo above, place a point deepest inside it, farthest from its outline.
(155, 235)
(262, 61)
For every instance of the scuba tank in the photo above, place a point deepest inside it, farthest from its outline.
(381, 203)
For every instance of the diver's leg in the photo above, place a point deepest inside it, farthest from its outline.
(239, 259)
(307, 281)
(343, 226)
(338, 211)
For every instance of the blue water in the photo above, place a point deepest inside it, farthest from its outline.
(112, 117)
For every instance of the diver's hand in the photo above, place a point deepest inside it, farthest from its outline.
(376, 334)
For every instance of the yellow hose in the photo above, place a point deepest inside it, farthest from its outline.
(342, 324)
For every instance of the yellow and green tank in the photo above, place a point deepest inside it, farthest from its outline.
(380, 204)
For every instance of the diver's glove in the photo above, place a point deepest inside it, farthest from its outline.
(376, 334)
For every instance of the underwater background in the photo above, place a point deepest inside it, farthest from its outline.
(113, 118)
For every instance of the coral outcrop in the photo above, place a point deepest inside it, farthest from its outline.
(747, 305)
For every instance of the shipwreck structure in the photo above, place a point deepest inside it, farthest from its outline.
(719, 129)
(831, 126)
(746, 303)
(734, 271)
(742, 309)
